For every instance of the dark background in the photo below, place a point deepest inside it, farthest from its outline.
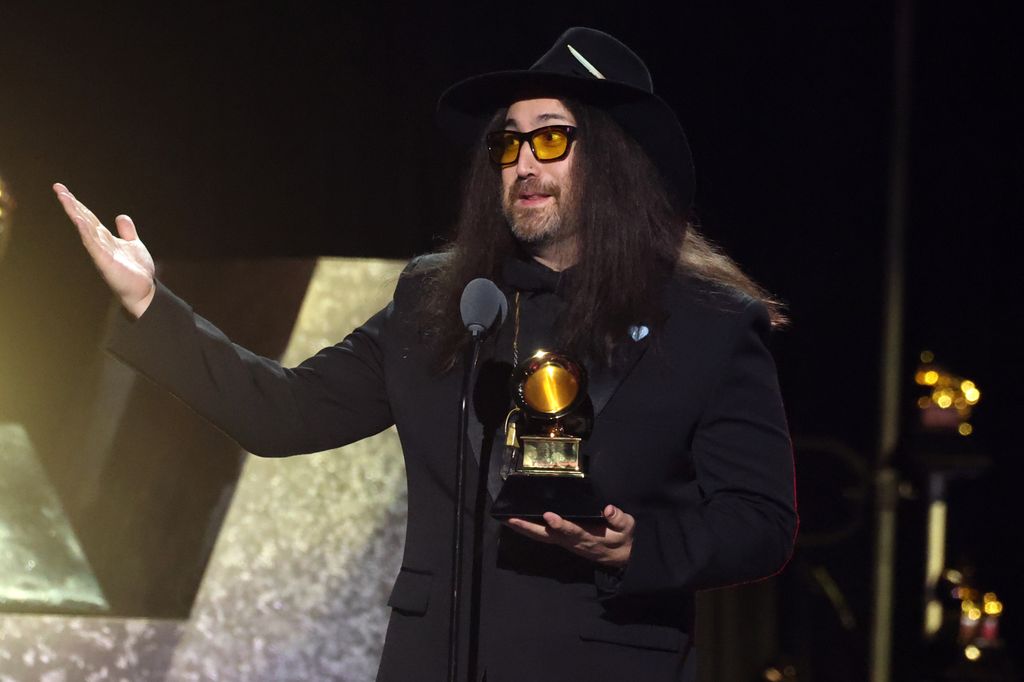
(271, 129)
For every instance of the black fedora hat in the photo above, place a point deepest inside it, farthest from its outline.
(597, 69)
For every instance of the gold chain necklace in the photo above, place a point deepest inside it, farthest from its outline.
(510, 424)
(515, 335)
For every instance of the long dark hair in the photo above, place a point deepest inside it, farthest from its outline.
(631, 237)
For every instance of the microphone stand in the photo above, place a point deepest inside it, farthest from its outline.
(460, 504)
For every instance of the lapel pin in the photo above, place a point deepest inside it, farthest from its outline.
(638, 332)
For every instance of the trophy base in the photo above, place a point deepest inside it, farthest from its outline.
(528, 497)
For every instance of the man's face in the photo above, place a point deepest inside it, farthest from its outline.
(535, 195)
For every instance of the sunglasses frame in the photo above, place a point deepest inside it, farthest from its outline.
(497, 137)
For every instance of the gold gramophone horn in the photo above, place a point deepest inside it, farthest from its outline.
(548, 385)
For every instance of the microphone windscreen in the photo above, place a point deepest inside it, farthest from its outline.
(482, 305)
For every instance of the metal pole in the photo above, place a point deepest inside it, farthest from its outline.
(458, 519)
(886, 479)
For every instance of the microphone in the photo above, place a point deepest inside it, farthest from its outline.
(482, 306)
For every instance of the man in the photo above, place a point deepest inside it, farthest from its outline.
(576, 204)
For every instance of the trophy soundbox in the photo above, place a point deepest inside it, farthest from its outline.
(543, 468)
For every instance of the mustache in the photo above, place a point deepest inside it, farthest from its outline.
(533, 186)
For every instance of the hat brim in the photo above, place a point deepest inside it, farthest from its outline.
(465, 109)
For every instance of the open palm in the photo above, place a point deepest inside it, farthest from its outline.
(123, 260)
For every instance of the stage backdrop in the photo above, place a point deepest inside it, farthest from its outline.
(298, 579)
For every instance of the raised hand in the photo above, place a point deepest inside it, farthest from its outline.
(124, 261)
(608, 544)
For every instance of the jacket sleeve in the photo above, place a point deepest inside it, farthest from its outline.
(744, 525)
(336, 397)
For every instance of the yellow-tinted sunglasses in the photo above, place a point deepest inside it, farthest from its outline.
(549, 143)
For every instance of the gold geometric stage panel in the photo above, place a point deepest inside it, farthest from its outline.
(42, 567)
(296, 585)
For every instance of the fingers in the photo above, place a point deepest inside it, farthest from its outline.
(73, 206)
(66, 199)
(126, 228)
(98, 241)
(91, 230)
(86, 213)
(554, 529)
(535, 531)
(566, 529)
(563, 531)
(76, 210)
(608, 542)
(618, 520)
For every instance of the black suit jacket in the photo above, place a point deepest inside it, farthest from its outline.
(690, 437)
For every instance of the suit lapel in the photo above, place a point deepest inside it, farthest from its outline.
(604, 381)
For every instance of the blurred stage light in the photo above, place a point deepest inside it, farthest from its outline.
(949, 404)
(6, 211)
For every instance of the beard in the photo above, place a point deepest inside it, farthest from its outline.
(536, 225)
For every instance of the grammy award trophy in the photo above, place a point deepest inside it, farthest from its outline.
(544, 469)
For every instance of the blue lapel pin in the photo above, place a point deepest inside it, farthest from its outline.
(639, 331)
